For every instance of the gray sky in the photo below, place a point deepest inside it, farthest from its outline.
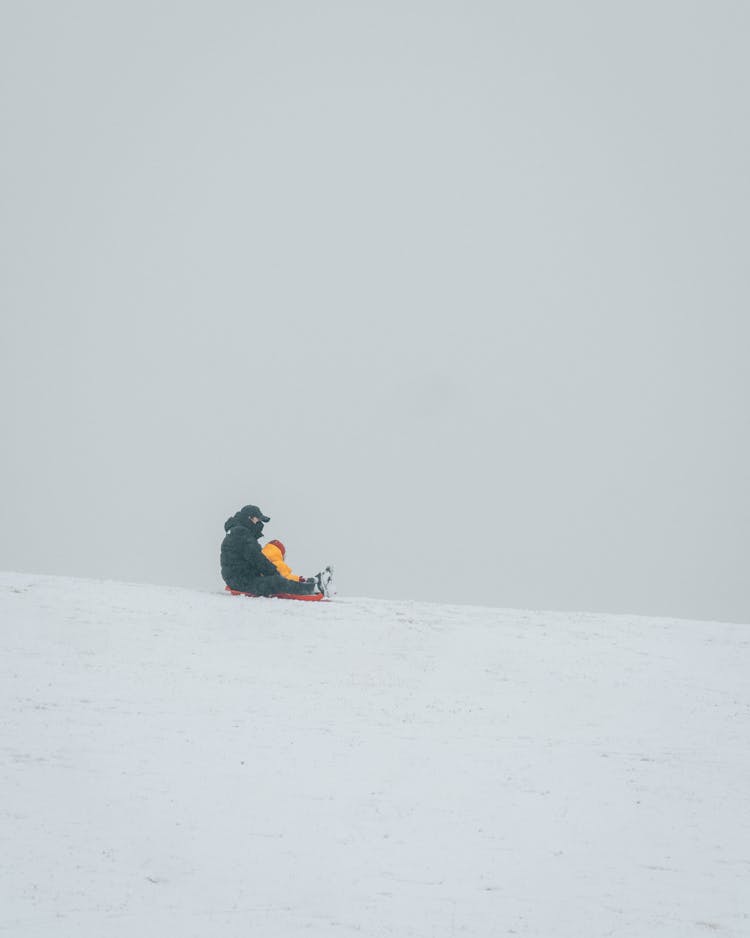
(456, 292)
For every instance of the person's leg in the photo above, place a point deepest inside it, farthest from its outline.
(273, 585)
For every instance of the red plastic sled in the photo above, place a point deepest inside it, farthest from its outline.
(306, 597)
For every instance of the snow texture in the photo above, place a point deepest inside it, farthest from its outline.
(197, 764)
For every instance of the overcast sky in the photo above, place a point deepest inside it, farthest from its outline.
(457, 292)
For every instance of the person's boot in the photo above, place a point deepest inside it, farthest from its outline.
(324, 581)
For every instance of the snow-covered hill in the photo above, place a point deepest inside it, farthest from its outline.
(190, 764)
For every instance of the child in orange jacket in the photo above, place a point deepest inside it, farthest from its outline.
(276, 552)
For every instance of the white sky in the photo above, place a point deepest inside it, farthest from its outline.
(456, 292)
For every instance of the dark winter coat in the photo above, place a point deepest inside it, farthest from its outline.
(242, 561)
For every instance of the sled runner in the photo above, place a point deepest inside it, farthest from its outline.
(305, 597)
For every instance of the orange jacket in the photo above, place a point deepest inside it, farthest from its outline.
(275, 551)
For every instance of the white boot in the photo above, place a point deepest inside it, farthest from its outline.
(324, 581)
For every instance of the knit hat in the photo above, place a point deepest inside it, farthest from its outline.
(280, 546)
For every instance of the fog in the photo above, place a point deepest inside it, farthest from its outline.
(457, 293)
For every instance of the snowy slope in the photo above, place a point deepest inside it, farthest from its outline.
(176, 763)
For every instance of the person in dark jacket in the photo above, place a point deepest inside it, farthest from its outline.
(244, 567)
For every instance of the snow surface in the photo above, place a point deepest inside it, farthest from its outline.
(177, 763)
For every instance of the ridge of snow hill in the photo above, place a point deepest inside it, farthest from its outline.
(197, 764)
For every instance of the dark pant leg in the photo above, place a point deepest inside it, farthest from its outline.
(272, 585)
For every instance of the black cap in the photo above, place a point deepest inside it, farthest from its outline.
(252, 511)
